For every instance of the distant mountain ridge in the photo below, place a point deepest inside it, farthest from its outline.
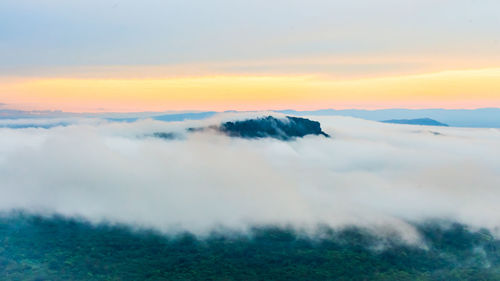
(478, 118)
(419, 121)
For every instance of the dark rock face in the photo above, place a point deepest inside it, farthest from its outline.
(420, 121)
(271, 127)
(265, 127)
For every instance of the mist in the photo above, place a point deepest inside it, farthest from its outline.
(383, 177)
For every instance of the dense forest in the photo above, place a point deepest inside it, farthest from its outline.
(36, 248)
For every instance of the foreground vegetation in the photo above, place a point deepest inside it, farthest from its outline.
(35, 248)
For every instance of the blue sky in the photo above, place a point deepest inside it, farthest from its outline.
(49, 33)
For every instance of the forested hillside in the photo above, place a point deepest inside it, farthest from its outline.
(35, 248)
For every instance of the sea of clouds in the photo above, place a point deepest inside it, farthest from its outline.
(384, 177)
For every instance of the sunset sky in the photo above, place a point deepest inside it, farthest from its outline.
(156, 55)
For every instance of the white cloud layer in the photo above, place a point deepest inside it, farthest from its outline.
(368, 174)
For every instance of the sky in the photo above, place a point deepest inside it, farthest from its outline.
(152, 55)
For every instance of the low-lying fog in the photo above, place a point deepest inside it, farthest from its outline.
(369, 174)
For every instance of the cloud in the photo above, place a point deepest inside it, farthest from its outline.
(369, 174)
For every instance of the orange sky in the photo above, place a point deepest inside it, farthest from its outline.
(448, 89)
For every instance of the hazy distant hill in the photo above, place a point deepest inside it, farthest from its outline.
(185, 116)
(169, 117)
(479, 118)
(419, 121)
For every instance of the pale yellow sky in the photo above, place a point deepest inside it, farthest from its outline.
(447, 89)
